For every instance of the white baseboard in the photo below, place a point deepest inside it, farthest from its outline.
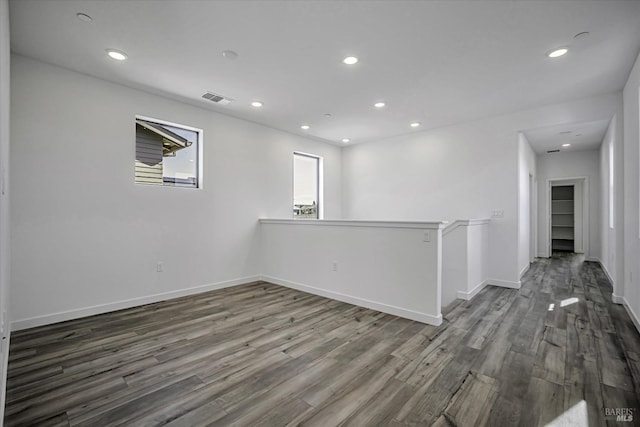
(632, 314)
(524, 270)
(504, 283)
(617, 299)
(606, 272)
(373, 305)
(119, 305)
(473, 292)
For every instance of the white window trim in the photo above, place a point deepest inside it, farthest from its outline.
(200, 133)
(612, 209)
(320, 177)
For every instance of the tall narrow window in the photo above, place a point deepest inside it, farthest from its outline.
(611, 182)
(306, 186)
(167, 153)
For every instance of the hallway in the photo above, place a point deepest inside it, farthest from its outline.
(556, 342)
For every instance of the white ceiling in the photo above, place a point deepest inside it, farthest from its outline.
(582, 136)
(436, 62)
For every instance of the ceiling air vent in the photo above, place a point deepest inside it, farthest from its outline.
(218, 99)
(553, 151)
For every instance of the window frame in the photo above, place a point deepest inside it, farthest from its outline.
(611, 183)
(319, 182)
(199, 152)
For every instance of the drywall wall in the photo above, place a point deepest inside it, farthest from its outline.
(465, 258)
(87, 239)
(527, 203)
(5, 315)
(455, 262)
(567, 165)
(463, 171)
(478, 257)
(631, 164)
(392, 267)
(611, 186)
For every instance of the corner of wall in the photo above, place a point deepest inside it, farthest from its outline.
(632, 314)
(5, 87)
(524, 270)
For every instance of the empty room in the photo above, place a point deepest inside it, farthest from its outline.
(319, 213)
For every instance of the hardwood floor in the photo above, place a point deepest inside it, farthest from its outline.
(264, 355)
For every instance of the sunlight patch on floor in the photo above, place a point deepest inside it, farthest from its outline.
(568, 301)
(576, 416)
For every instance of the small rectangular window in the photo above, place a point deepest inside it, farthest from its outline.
(167, 153)
(611, 185)
(306, 186)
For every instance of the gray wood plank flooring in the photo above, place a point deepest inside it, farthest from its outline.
(264, 355)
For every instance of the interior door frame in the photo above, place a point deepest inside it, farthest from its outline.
(582, 181)
(533, 218)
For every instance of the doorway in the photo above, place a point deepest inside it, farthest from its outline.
(568, 219)
(533, 219)
(563, 218)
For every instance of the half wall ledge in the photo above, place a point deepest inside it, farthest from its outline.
(392, 266)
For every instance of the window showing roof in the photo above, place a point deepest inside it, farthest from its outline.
(171, 142)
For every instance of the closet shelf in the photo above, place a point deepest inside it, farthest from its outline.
(562, 221)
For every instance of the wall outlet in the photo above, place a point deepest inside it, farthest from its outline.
(160, 267)
(498, 213)
(427, 236)
(3, 322)
(335, 265)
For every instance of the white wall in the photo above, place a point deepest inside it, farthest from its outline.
(461, 171)
(612, 239)
(383, 266)
(86, 238)
(565, 165)
(465, 259)
(5, 316)
(526, 201)
(455, 262)
(630, 160)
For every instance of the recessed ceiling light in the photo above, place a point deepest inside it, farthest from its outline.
(257, 104)
(346, 140)
(84, 17)
(415, 124)
(379, 104)
(557, 52)
(230, 54)
(350, 60)
(566, 145)
(305, 127)
(117, 54)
